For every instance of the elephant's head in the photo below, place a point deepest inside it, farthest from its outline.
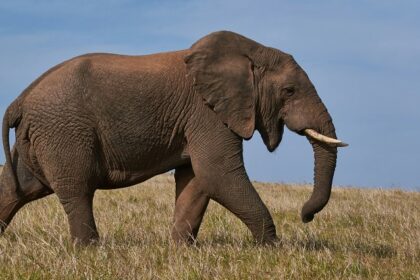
(251, 86)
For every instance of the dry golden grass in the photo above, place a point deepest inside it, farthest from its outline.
(372, 234)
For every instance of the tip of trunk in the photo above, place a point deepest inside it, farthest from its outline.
(313, 206)
(308, 217)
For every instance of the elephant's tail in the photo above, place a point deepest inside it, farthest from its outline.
(11, 119)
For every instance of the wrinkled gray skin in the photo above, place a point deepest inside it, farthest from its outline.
(103, 121)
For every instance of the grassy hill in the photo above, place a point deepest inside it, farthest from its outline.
(372, 234)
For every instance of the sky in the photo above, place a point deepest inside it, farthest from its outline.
(362, 56)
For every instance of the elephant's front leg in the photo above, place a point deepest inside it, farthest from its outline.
(190, 205)
(237, 194)
(218, 165)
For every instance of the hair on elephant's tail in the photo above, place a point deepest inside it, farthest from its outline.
(11, 118)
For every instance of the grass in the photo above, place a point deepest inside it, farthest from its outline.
(361, 234)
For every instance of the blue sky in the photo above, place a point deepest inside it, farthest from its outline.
(362, 56)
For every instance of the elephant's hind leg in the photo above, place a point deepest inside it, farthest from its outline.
(69, 161)
(8, 209)
(75, 188)
(79, 210)
(190, 206)
(30, 189)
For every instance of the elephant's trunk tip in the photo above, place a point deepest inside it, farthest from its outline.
(306, 218)
(313, 206)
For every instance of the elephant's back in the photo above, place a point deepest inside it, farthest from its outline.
(129, 64)
(76, 74)
(100, 84)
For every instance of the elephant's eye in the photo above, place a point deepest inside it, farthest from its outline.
(288, 91)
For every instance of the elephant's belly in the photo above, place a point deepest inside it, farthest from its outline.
(137, 143)
(141, 167)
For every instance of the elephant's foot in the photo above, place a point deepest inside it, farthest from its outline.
(87, 240)
(184, 234)
(269, 240)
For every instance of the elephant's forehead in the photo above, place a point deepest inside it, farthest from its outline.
(288, 73)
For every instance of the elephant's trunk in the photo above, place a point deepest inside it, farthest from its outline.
(325, 161)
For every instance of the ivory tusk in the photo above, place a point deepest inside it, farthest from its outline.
(322, 138)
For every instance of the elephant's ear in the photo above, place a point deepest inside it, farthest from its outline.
(222, 70)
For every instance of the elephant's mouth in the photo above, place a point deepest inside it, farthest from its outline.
(300, 132)
(322, 138)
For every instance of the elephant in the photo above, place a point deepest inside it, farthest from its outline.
(106, 121)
